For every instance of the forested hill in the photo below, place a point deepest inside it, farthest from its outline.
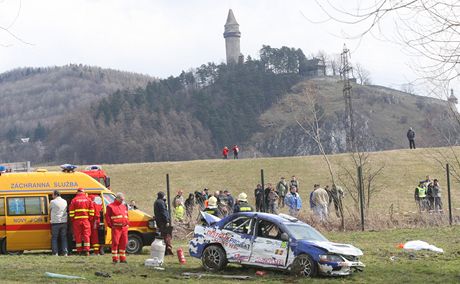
(32, 100)
(87, 115)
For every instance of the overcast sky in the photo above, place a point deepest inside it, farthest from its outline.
(161, 38)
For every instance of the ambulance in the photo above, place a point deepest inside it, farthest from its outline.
(25, 218)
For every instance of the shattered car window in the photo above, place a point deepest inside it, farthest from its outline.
(269, 230)
(304, 232)
(241, 225)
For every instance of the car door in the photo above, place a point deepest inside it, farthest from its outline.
(236, 238)
(2, 219)
(267, 248)
(27, 223)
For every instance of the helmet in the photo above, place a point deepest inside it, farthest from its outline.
(212, 203)
(243, 197)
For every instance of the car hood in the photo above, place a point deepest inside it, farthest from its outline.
(336, 248)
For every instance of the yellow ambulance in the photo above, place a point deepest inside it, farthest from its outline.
(24, 210)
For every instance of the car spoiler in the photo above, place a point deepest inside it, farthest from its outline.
(210, 219)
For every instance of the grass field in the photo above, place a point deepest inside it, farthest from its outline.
(378, 247)
(403, 169)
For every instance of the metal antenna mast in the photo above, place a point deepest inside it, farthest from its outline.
(349, 123)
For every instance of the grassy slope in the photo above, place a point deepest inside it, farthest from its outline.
(378, 247)
(403, 169)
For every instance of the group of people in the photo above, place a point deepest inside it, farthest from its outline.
(427, 195)
(85, 213)
(235, 150)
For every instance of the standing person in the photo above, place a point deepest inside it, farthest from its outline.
(273, 201)
(225, 152)
(199, 199)
(294, 182)
(212, 208)
(420, 196)
(179, 206)
(337, 196)
(321, 199)
(293, 201)
(132, 205)
(116, 217)
(189, 205)
(236, 150)
(81, 212)
(242, 204)
(259, 196)
(230, 201)
(411, 138)
(163, 221)
(58, 220)
(281, 189)
(178, 199)
(436, 192)
(95, 224)
(267, 191)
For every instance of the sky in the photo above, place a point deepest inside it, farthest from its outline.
(162, 38)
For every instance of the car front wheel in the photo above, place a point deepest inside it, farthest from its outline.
(305, 266)
(214, 258)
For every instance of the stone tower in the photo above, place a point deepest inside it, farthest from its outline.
(453, 101)
(232, 39)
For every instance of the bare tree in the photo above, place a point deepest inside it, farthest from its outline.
(408, 88)
(334, 64)
(363, 75)
(428, 29)
(311, 124)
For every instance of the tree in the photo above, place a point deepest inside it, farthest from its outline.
(428, 29)
(363, 76)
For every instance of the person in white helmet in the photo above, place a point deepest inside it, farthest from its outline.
(242, 204)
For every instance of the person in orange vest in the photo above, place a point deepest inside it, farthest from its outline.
(81, 212)
(116, 216)
(225, 152)
(95, 224)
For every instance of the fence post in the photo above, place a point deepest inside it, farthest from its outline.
(448, 194)
(263, 186)
(361, 197)
(168, 195)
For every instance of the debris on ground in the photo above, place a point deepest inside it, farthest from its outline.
(62, 276)
(200, 275)
(261, 273)
(393, 258)
(420, 245)
(102, 274)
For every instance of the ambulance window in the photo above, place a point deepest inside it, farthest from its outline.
(108, 198)
(2, 206)
(27, 206)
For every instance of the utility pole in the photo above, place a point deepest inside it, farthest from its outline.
(349, 123)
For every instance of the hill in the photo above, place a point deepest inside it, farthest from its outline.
(394, 187)
(32, 100)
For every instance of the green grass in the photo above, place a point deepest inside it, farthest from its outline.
(378, 247)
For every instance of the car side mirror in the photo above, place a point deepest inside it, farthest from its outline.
(284, 237)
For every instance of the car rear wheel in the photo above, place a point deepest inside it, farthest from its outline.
(305, 266)
(134, 245)
(214, 258)
(4, 251)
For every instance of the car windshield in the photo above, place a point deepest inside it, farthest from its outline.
(304, 232)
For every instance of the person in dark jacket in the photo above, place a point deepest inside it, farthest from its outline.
(259, 195)
(189, 205)
(411, 138)
(163, 221)
(267, 191)
(242, 204)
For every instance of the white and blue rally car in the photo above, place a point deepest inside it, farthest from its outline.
(271, 241)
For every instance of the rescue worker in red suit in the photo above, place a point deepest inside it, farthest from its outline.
(225, 152)
(116, 216)
(81, 212)
(95, 224)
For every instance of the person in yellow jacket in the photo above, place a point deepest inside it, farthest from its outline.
(420, 196)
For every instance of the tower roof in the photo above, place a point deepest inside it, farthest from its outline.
(232, 28)
(231, 18)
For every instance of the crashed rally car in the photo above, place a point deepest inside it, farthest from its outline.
(270, 241)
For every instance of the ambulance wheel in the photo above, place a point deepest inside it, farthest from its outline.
(2, 246)
(134, 245)
(305, 266)
(214, 258)
(4, 251)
